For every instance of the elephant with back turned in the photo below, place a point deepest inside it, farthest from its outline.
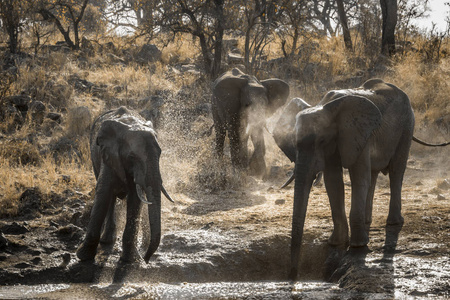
(366, 130)
(240, 105)
(125, 156)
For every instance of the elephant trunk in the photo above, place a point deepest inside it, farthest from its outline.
(304, 177)
(154, 217)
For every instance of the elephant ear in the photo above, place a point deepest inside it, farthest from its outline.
(277, 94)
(109, 144)
(356, 119)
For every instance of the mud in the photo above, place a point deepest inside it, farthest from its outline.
(227, 237)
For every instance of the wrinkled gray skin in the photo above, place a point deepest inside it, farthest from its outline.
(284, 131)
(240, 105)
(125, 156)
(366, 130)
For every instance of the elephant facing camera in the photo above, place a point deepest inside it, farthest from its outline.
(240, 106)
(125, 156)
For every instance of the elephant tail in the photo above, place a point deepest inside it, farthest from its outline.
(429, 145)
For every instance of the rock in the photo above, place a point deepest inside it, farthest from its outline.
(14, 109)
(148, 53)
(37, 112)
(440, 197)
(81, 85)
(444, 184)
(15, 228)
(54, 117)
(235, 59)
(30, 201)
(280, 201)
(22, 265)
(3, 241)
(70, 231)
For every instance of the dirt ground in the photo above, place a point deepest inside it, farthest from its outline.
(232, 241)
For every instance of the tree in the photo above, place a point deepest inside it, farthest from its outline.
(389, 16)
(66, 15)
(294, 20)
(204, 20)
(344, 24)
(12, 15)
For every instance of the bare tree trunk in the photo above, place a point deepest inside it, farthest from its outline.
(389, 15)
(218, 39)
(344, 24)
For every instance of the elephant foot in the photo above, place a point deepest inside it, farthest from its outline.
(257, 168)
(293, 274)
(339, 236)
(130, 256)
(359, 238)
(395, 219)
(87, 251)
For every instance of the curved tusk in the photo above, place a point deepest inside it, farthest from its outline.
(166, 194)
(318, 178)
(141, 194)
(288, 181)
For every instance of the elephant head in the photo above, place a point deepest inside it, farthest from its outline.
(284, 130)
(241, 103)
(337, 131)
(243, 91)
(131, 150)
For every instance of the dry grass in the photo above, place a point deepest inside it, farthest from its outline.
(23, 164)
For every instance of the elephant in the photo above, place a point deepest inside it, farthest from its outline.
(125, 157)
(366, 130)
(240, 105)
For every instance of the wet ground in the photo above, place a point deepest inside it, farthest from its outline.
(233, 243)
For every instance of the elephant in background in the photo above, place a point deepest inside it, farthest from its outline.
(125, 156)
(366, 130)
(240, 105)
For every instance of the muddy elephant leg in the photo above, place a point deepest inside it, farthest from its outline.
(104, 195)
(334, 185)
(220, 138)
(397, 168)
(257, 164)
(109, 228)
(360, 176)
(238, 146)
(369, 200)
(129, 251)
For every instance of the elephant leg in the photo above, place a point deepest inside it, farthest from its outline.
(257, 164)
(129, 251)
(360, 175)
(334, 185)
(104, 196)
(238, 146)
(397, 168)
(369, 200)
(109, 228)
(220, 138)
